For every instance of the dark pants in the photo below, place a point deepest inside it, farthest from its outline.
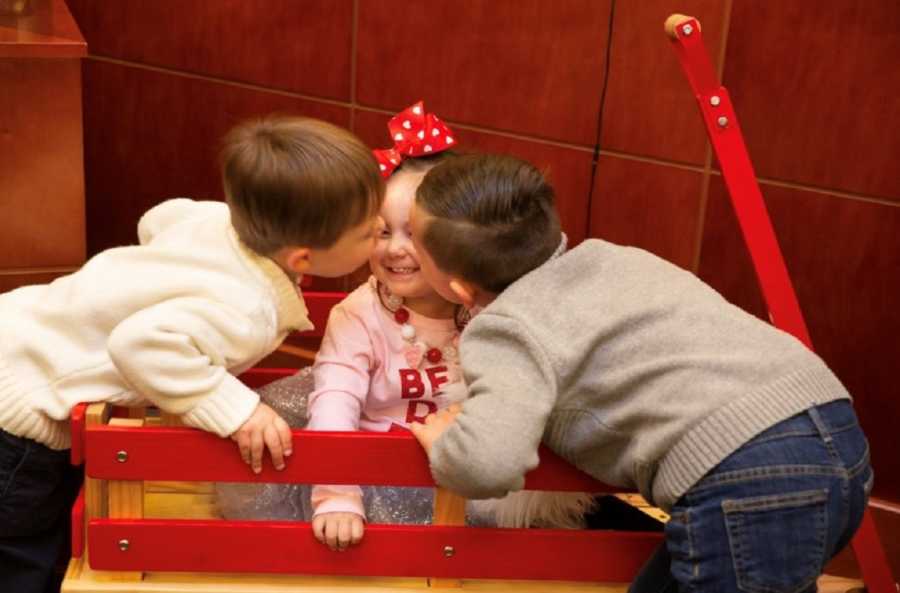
(768, 518)
(37, 488)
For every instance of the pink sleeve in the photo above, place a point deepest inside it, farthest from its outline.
(337, 499)
(341, 373)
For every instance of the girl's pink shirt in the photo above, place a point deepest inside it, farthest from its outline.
(364, 381)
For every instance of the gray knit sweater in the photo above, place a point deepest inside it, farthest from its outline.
(627, 366)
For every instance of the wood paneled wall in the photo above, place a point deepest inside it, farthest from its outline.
(816, 86)
(42, 219)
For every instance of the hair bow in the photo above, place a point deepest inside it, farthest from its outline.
(415, 133)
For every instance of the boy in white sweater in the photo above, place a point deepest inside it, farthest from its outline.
(209, 291)
(642, 376)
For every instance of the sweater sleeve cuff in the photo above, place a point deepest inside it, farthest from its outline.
(439, 470)
(225, 410)
(337, 499)
(465, 480)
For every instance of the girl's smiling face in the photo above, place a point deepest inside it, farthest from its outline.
(395, 261)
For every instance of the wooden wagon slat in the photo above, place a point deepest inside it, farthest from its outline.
(184, 454)
(387, 550)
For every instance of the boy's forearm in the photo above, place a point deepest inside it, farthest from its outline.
(469, 475)
(173, 353)
(495, 438)
(481, 455)
(225, 410)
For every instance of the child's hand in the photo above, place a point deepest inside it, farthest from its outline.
(264, 428)
(435, 425)
(338, 530)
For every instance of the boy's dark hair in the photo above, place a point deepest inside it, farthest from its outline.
(493, 218)
(292, 181)
(425, 163)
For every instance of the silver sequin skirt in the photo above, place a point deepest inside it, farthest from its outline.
(291, 502)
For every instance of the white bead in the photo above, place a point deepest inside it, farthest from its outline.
(421, 134)
(398, 136)
(428, 148)
(406, 124)
(449, 140)
(407, 331)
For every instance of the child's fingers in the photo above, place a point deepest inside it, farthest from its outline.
(257, 446)
(345, 529)
(273, 442)
(243, 443)
(284, 434)
(318, 527)
(420, 431)
(331, 533)
(356, 534)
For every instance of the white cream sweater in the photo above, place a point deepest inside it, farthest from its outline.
(170, 321)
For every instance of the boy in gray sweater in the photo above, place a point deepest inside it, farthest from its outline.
(642, 376)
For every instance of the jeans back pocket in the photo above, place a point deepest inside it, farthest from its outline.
(778, 542)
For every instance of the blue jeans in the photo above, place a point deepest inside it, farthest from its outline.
(770, 516)
(37, 488)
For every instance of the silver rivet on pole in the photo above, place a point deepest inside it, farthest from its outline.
(687, 29)
(722, 121)
(449, 551)
(123, 545)
(122, 456)
(715, 100)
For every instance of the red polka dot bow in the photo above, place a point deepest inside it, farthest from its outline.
(415, 133)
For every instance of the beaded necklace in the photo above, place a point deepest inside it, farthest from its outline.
(417, 351)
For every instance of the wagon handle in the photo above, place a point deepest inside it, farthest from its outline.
(677, 19)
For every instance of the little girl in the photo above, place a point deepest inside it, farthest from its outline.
(389, 351)
(389, 355)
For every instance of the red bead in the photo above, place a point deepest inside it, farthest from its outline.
(401, 315)
(434, 355)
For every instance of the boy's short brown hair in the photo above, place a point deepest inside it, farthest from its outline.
(293, 181)
(493, 218)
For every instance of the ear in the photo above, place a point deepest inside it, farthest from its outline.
(465, 291)
(298, 259)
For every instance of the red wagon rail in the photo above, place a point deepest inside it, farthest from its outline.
(122, 457)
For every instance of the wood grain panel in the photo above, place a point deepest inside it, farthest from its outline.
(531, 66)
(302, 46)
(649, 108)
(151, 136)
(647, 205)
(41, 167)
(844, 258)
(816, 87)
(39, 29)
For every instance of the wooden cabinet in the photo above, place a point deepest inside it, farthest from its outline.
(42, 229)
